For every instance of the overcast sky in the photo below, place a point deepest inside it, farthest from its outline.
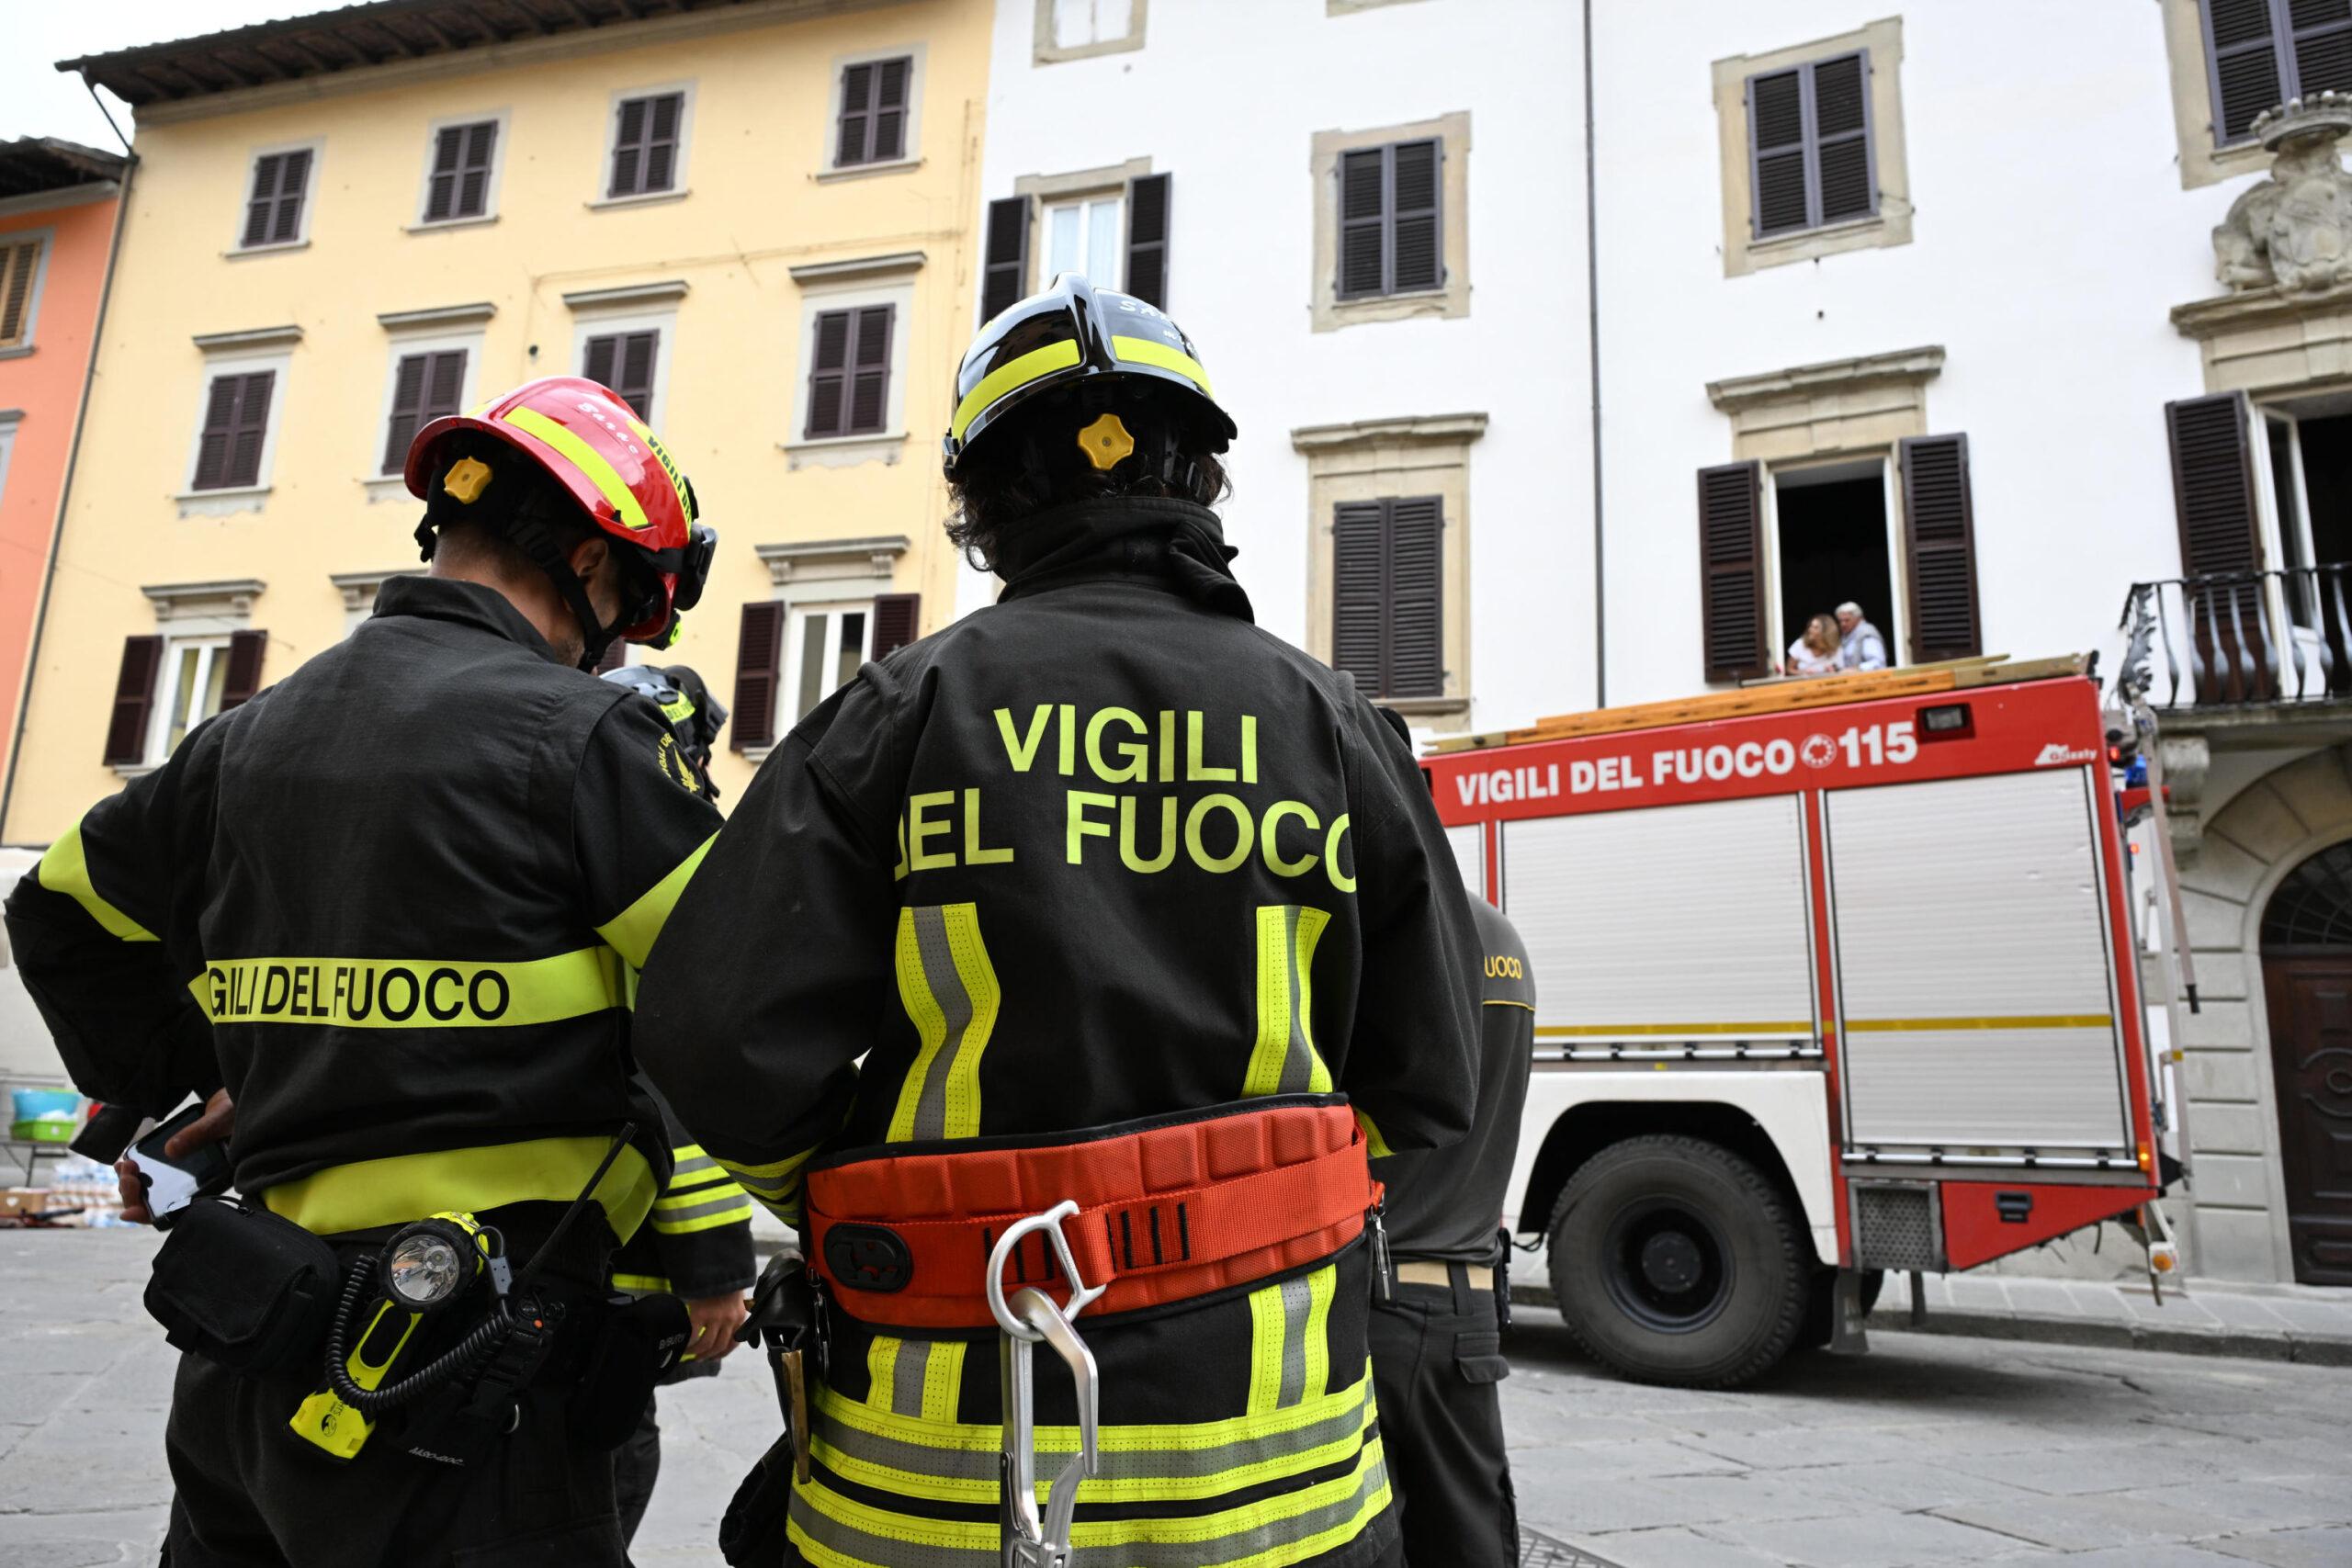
(36, 99)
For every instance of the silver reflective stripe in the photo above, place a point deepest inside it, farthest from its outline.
(1296, 1300)
(698, 1164)
(1298, 1060)
(1239, 1547)
(1122, 1464)
(906, 1376)
(665, 1213)
(947, 985)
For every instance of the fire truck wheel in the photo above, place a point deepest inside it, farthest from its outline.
(1677, 1261)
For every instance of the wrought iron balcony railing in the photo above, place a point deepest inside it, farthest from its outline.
(2239, 639)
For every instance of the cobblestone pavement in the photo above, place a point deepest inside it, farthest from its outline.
(1928, 1450)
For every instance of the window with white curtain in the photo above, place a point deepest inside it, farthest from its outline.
(1085, 236)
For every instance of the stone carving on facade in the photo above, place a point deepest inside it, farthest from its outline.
(2293, 231)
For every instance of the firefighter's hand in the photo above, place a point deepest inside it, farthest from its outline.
(715, 1319)
(219, 1119)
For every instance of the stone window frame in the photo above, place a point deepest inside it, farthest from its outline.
(1044, 51)
(1043, 191)
(2202, 161)
(830, 573)
(910, 156)
(1448, 301)
(238, 353)
(316, 146)
(45, 238)
(849, 285)
(1366, 460)
(465, 327)
(678, 189)
(502, 118)
(1891, 225)
(358, 591)
(189, 613)
(1830, 414)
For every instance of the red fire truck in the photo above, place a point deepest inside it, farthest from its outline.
(1833, 978)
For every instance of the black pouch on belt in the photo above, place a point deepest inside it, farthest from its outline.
(241, 1286)
(636, 1340)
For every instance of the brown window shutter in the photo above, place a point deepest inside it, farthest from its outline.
(473, 172)
(220, 422)
(243, 677)
(1004, 276)
(408, 409)
(252, 426)
(1841, 138)
(890, 77)
(134, 698)
(629, 149)
(293, 175)
(638, 351)
(759, 670)
(262, 203)
(598, 359)
(1147, 211)
(1731, 571)
(898, 619)
(2213, 484)
(662, 142)
(1939, 538)
(441, 193)
(1779, 183)
(869, 402)
(854, 135)
(829, 375)
(1416, 249)
(1416, 614)
(2242, 65)
(1359, 601)
(2221, 544)
(445, 385)
(17, 266)
(1364, 223)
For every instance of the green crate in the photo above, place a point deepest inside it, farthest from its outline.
(44, 1130)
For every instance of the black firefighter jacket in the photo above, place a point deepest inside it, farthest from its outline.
(394, 903)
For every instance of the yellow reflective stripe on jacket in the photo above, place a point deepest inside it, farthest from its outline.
(1376, 1146)
(587, 459)
(941, 1459)
(914, 1378)
(65, 869)
(641, 1284)
(1284, 1060)
(633, 930)
(836, 1532)
(1290, 1343)
(949, 990)
(1012, 373)
(1151, 351)
(410, 993)
(401, 1188)
(777, 1184)
(690, 1166)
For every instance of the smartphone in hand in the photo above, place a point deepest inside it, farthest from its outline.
(172, 1184)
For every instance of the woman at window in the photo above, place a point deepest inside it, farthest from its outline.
(1814, 653)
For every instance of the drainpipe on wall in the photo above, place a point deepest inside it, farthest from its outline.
(73, 458)
(1592, 336)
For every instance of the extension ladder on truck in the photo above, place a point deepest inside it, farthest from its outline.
(1833, 978)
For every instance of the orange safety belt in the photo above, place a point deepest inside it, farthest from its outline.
(1169, 1209)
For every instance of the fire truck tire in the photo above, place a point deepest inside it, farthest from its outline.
(1677, 1261)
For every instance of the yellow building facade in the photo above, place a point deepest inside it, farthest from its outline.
(754, 220)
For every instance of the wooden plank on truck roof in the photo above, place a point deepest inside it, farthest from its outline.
(1784, 697)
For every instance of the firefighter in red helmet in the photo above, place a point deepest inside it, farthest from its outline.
(386, 915)
(1058, 975)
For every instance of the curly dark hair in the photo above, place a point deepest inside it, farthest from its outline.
(1032, 463)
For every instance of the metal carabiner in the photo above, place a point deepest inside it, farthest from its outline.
(1031, 1317)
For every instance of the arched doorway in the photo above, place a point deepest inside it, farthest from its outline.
(2307, 981)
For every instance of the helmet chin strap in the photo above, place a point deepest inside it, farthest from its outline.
(539, 544)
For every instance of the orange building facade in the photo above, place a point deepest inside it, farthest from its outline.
(58, 202)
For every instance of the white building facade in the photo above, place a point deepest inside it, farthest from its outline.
(1370, 217)
(1915, 305)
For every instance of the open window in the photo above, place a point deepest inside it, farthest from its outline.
(1833, 543)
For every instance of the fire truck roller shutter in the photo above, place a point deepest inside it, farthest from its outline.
(1469, 842)
(1673, 924)
(2005, 1038)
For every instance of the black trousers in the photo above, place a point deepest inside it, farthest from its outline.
(637, 1465)
(1436, 1359)
(249, 1494)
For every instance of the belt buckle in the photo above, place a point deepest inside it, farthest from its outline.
(1030, 1318)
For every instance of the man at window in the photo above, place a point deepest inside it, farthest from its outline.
(1859, 646)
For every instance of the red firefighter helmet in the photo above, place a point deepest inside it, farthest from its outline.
(592, 445)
